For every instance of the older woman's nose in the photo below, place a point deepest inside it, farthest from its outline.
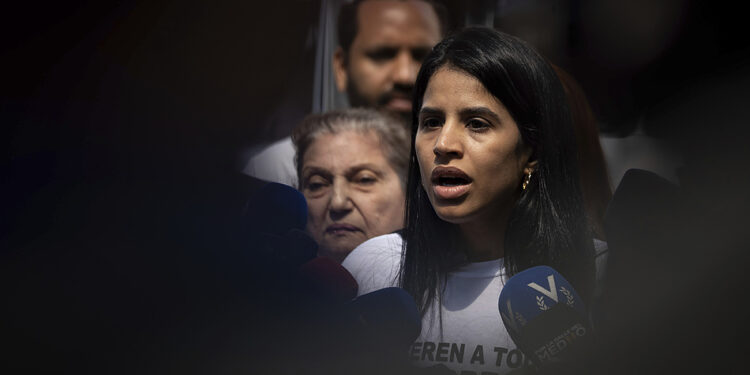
(340, 198)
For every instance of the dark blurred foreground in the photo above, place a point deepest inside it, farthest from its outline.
(122, 248)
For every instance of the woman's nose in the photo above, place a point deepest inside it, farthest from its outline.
(341, 202)
(449, 141)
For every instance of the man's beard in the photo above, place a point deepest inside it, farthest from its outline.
(358, 100)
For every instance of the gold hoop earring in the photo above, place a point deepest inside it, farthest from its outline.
(526, 181)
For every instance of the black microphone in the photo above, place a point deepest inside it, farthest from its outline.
(287, 252)
(274, 221)
(547, 320)
(276, 208)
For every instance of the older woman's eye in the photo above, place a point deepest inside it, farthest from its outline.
(314, 186)
(315, 183)
(365, 180)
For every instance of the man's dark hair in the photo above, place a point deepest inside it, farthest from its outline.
(347, 21)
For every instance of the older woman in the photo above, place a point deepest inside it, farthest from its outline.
(351, 167)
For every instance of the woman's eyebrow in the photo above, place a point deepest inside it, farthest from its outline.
(426, 111)
(353, 170)
(480, 112)
(307, 171)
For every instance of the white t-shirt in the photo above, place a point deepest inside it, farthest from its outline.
(474, 339)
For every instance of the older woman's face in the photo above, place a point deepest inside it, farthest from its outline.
(469, 149)
(352, 191)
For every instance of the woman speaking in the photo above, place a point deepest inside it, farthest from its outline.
(492, 189)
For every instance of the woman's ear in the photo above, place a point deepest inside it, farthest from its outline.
(530, 166)
(339, 69)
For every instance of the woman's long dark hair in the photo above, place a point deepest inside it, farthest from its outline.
(595, 185)
(547, 226)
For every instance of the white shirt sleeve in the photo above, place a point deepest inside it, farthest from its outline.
(274, 163)
(375, 263)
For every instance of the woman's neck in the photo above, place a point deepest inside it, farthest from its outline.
(484, 242)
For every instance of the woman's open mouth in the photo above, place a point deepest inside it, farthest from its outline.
(450, 182)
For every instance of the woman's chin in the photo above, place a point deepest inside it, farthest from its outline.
(337, 251)
(453, 214)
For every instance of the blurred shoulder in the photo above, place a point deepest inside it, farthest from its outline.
(601, 253)
(600, 247)
(274, 163)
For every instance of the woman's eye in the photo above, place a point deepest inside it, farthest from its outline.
(477, 124)
(315, 184)
(431, 123)
(366, 180)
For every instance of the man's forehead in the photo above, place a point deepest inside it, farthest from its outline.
(397, 23)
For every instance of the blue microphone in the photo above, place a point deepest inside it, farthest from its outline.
(276, 208)
(375, 331)
(547, 319)
(274, 221)
(388, 316)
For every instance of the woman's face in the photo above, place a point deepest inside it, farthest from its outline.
(470, 153)
(352, 192)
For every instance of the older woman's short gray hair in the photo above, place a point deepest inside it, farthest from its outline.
(393, 135)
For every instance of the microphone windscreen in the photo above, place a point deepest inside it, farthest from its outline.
(327, 281)
(276, 208)
(544, 315)
(371, 334)
(301, 247)
(388, 317)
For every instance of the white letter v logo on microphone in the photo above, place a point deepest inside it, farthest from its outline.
(509, 319)
(551, 293)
